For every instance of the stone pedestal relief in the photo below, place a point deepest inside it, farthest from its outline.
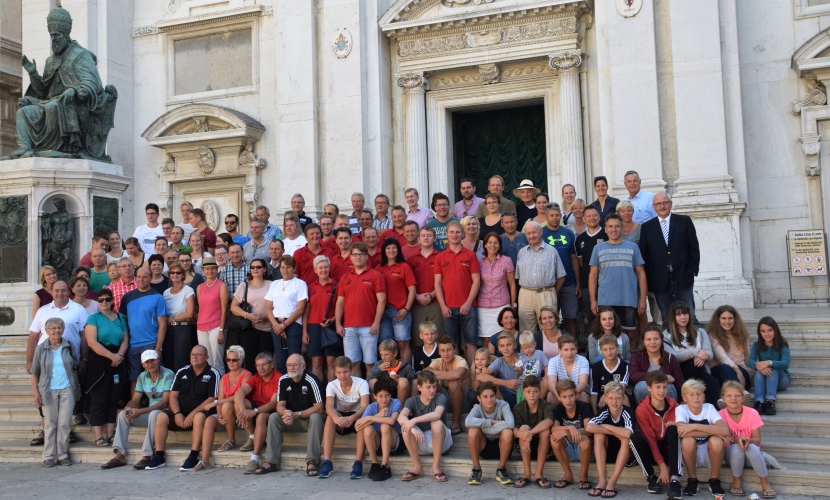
(210, 161)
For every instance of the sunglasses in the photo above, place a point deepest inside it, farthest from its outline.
(256, 267)
(232, 360)
(174, 272)
(105, 299)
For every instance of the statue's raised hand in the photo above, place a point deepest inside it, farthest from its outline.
(29, 66)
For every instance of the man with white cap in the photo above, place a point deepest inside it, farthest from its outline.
(526, 209)
(155, 382)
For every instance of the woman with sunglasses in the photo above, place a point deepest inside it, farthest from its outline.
(228, 385)
(213, 298)
(106, 372)
(181, 309)
(257, 338)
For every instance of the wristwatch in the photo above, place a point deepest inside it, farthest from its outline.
(216, 401)
(300, 414)
(256, 409)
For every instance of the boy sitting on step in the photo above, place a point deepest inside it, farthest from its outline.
(612, 429)
(423, 429)
(533, 419)
(490, 433)
(569, 438)
(346, 399)
(611, 368)
(399, 371)
(379, 430)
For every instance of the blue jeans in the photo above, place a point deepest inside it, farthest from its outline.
(459, 323)
(766, 387)
(664, 300)
(726, 372)
(641, 391)
(389, 328)
(284, 347)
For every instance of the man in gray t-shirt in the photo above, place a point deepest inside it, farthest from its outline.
(618, 277)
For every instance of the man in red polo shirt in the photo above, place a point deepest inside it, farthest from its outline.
(398, 221)
(410, 233)
(426, 307)
(341, 262)
(305, 255)
(361, 301)
(371, 238)
(457, 280)
(252, 404)
(339, 221)
(365, 220)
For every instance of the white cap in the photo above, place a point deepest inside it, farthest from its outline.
(148, 355)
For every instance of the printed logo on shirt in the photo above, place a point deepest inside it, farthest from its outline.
(563, 240)
(184, 377)
(617, 378)
(289, 388)
(205, 378)
(367, 282)
(305, 390)
(465, 263)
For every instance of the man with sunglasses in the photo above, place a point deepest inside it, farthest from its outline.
(155, 382)
(232, 228)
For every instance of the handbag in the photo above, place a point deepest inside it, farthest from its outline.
(330, 338)
(235, 322)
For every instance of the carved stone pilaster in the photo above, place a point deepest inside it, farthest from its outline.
(251, 198)
(415, 123)
(490, 73)
(566, 59)
(815, 97)
(811, 146)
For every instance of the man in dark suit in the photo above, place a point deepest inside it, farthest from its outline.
(669, 246)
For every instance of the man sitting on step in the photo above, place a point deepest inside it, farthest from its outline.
(156, 382)
(253, 404)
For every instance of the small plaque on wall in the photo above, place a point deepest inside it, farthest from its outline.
(104, 214)
(14, 239)
(629, 8)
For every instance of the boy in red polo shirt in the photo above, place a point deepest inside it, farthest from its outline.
(457, 280)
(361, 301)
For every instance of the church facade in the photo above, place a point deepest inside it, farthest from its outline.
(230, 104)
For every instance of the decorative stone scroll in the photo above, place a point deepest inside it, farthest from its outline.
(815, 97)
(413, 80)
(811, 148)
(566, 59)
(489, 73)
(450, 3)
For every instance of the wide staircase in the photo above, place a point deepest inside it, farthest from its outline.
(799, 436)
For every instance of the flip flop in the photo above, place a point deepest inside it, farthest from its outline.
(613, 493)
(584, 485)
(596, 492)
(540, 480)
(266, 468)
(521, 482)
(768, 493)
(411, 476)
(738, 491)
(457, 430)
(440, 477)
(562, 483)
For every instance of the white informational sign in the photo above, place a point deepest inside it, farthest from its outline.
(808, 254)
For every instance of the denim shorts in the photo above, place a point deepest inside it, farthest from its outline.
(389, 328)
(360, 345)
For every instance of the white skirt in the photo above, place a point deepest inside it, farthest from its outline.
(488, 321)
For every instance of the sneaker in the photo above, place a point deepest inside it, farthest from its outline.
(674, 491)
(759, 407)
(721, 404)
(48, 464)
(189, 463)
(357, 470)
(691, 487)
(385, 473)
(769, 407)
(326, 469)
(654, 485)
(374, 471)
(632, 463)
(142, 464)
(715, 488)
(251, 467)
(475, 476)
(248, 446)
(156, 462)
(65, 461)
(503, 477)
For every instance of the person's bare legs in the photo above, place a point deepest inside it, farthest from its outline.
(600, 454)
(560, 447)
(196, 431)
(505, 446)
(403, 389)
(619, 465)
(405, 351)
(688, 447)
(230, 426)
(715, 455)
(470, 354)
(260, 432)
(542, 453)
(317, 366)
(329, 432)
(438, 431)
(209, 424)
(160, 436)
(584, 458)
(387, 439)
(412, 447)
(369, 436)
(329, 368)
(456, 393)
(475, 442)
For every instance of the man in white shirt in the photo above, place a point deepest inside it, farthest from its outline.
(147, 233)
(74, 318)
(186, 225)
(293, 239)
(643, 211)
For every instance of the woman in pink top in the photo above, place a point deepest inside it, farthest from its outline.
(730, 345)
(212, 297)
(230, 383)
(498, 287)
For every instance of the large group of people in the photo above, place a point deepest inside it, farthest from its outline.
(392, 324)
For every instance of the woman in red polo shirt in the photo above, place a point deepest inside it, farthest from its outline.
(319, 314)
(400, 294)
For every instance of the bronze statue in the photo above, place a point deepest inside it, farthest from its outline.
(57, 230)
(67, 112)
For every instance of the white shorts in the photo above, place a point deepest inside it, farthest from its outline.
(488, 321)
(703, 454)
(426, 448)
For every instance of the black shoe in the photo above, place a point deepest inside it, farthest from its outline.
(374, 471)
(715, 488)
(759, 407)
(632, 463)
(654, 485)
(769, 407)
(674, 491)
(691, 487)
(189, 463)
(385, 473)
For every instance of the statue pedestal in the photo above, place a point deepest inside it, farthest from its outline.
(29, 189)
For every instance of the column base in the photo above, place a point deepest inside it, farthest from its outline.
(714, 291)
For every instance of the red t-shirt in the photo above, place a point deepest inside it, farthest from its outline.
(262, 391)
(318, 301)
(357, 237)
(409, 251)
(422, 268)
(457, 270)
(399, 278)
(305, 262)
(360, 294)
(208, 238)
(374, 260)
(341, 267)
(331, 245)
(86, 260)
(393, 233)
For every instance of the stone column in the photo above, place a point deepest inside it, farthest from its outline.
(415, 130)
(571, 154)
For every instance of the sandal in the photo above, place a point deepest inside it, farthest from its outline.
(440, 477)
(605, 492)
(266, 468)
(521, 482)
(311, 469)
(596, 492)
(584, 485)
(737, 491)
(100, 442)
(768, 493)
(542, 483)
(411, 476)
(227, 445)
(111, 439)
(457, 430)
(562, 483)
(38, 440)
(73, 438)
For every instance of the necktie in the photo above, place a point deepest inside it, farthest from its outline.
(664, 224)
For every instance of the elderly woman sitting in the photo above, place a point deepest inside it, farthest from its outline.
(55, 388)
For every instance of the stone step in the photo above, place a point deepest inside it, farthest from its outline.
(813, 425)
(14, 377)
(15, 392)
(13, 352)
(798, 479)
(809, 377)
(13, 340)
(810, 358)
(804, 399)
(809, 450)
(18, 412)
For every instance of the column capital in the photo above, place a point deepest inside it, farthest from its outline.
(413, 80)
(565, 59)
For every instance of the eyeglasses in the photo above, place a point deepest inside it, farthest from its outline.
(171, 273)
(104, 299)
(185, 260)
(263, 365)
(151, 213)
(359, 255)
(257, 267)
(231, 360)
(508, 212)
(661, 203)
(294, 365)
